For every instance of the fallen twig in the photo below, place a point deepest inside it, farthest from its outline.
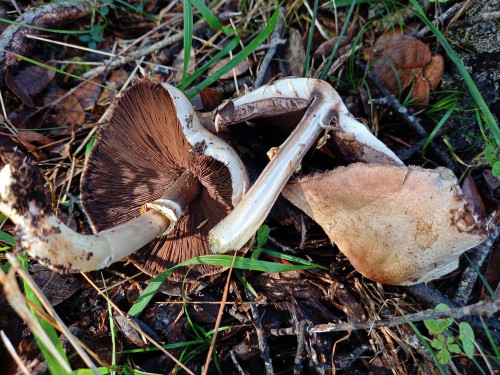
(275, 38)
(13, 40)
(474, 20)
(469, 276)
(483, 307)
(264, 348)
(300, 348)
(443, 17)
(148, 50)
(390, 100)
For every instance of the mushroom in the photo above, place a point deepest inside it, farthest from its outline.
(324, 110)
(396, 225)
(153, 152)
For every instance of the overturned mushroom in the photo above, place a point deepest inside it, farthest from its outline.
(396, 225)
(324, 109)
(153, 151)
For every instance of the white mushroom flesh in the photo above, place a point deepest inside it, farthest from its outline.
(324, 106)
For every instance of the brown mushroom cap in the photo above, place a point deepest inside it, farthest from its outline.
(139, 155)
(396, 225)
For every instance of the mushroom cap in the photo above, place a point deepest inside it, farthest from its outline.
(396, 225)
(151, 138)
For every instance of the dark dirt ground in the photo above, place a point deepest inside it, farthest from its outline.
(51, 121)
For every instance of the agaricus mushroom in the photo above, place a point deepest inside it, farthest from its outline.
(396, 225)
(153, 152)
(324, 109)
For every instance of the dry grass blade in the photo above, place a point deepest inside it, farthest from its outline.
(48, 307)
(13, 353)
(219, 316)
(18, 303)
(135, 325)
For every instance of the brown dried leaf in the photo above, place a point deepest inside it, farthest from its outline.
(325, 49)
(295, 54)
(434, 71)
(398, 55)
(28, 137)
(29, 82)
(88, 94)
(420, 91)
(211, 99)
(69, 112)
(241, 68)
(116, 81)
(178, 65)
(56, 286)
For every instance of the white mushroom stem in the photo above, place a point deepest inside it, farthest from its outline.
(47, 238)
(324, 106)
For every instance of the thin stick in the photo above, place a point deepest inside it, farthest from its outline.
(48, 307)
(297, 370)
(484, 307)
(12, 351)
(474, 20)
(469, 276)
(391, 100)
(148, 50)
(134, 325)
(264, 348)
(219, 317)
(275, 38)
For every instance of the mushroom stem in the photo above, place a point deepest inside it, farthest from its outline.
(324, 106)
(47, 238)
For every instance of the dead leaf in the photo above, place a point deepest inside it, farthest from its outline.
(88, 94)
(178, 65)
(295, 54)
(325, 49)
(68, 112)
(211, 99)
(399, 60)
(28, 137)
(57, 287)
(434, 71)
(29, 82)
(116, 81)
(241, 68)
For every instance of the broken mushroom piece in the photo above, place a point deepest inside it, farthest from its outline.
(153, 152)
(323, 108)
(396, 225)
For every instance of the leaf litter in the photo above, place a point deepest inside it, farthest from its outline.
(184, 314)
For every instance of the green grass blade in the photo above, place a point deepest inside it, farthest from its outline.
(426, 344)
(214, 260)
(60, 71)
(488, 116)
(242, 55)
(188, 35)
(137, 10)
(307, 61)
(480, 275)
(493, 344)
(342, 32)
(52, 363)
(219, 55)
(439, 125)
(7, 238)
(291, 258)
(211, 18)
